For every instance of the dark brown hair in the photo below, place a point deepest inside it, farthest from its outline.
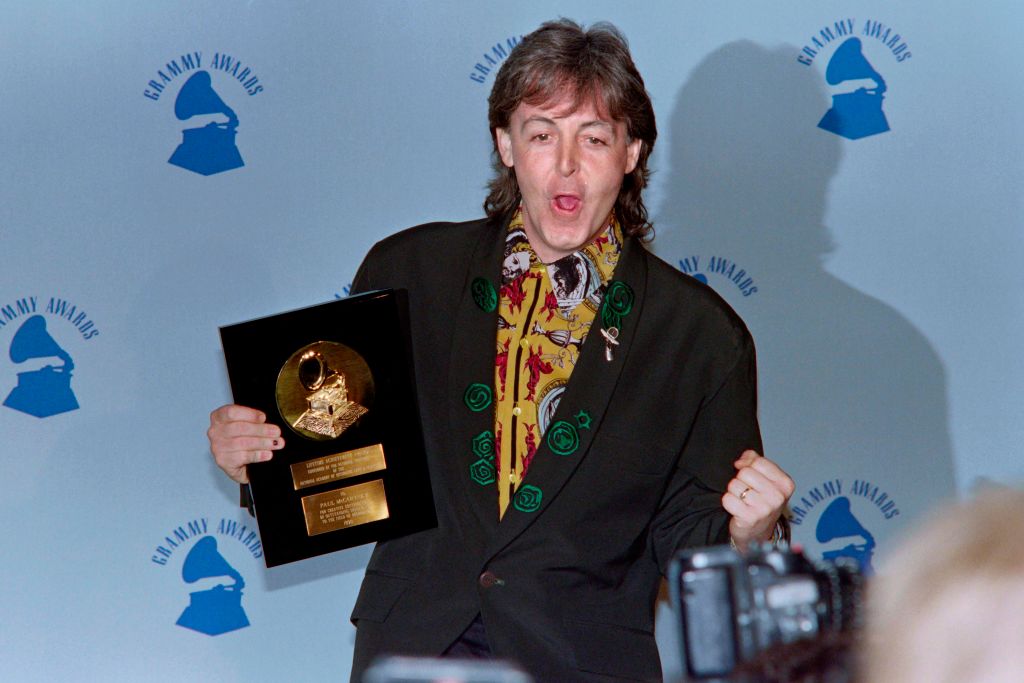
(560, 58)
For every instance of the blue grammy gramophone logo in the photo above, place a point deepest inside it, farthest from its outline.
(215, 586)
(858, 89)
(858, 113)
(205, 149)
(211, 148)
(840, 513)
(218, 609)
(838, 522)
(41, 391)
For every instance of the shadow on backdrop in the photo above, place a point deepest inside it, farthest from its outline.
(849, 388)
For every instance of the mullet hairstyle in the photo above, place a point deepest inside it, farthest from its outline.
(561, 58)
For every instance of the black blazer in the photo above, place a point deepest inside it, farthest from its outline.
(566, 583)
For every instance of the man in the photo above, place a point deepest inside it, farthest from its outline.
(574, 443)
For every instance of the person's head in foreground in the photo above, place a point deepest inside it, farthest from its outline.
(948, 606)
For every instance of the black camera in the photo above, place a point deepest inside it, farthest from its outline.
(732, 608)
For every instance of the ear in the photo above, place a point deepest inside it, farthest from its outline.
(632, 155)
(504, 141)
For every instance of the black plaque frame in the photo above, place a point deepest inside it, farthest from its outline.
(376, 326)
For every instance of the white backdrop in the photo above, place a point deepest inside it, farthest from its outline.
(880, 275)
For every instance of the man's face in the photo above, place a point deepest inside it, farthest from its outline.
(570, 167)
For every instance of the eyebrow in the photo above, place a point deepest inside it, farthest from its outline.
(586, 124)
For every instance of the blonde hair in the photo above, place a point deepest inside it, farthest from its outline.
(948, 606)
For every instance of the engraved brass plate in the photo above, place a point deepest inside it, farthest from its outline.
(346, 507)
(323, 388)
(338, 466)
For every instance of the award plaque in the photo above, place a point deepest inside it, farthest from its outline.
(338, 380)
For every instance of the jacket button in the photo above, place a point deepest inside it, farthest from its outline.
(489, 578)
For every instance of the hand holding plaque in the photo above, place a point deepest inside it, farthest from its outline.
(338, 377)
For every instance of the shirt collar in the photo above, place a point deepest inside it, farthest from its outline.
(573, 278)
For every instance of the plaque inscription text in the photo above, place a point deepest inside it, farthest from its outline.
(338, 466)
(345, 507)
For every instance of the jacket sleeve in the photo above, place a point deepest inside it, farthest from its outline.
(691, 512)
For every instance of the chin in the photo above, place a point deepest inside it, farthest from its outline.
(573, 238)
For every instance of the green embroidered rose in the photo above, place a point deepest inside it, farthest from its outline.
(482, 472)
(562, 437)
(484, 295)
(527, 498)
(483, 445)
(477, 397)
(617, 304)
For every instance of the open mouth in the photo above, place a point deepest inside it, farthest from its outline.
(567, 203)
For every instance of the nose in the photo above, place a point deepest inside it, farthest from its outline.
(568, 159)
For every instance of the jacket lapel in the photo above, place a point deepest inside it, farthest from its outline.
(582, 408)
(471, 464)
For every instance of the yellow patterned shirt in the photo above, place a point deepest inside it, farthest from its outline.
(544, 315)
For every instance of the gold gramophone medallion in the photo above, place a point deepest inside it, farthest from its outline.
(323, 388)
